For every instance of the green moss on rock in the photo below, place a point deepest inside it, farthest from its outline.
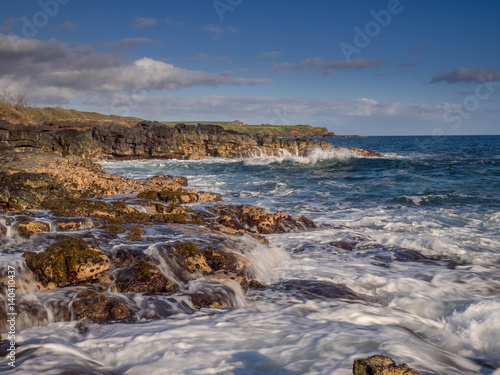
(98, 308)
(67, 262)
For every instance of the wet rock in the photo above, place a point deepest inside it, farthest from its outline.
(64, 225)
(363, 152)
(170, 196)
(126, 257)
(225, 275)
(219, 260)
(25, 281)
(27, 229)
(191, 257)
(113, 228)
(186, 260)
(98, 308)
(20, 198)
(258, 220)
(143, 276)
(254, 284)
(318, 289)
(220, 297)
(209, 197)
(381, 365)
(135, 234)
(228, 230)
(67, 262)
(349, 246)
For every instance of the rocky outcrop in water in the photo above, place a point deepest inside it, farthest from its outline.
(153, 140)
(381, 365)
(67, 262)
(251, 219)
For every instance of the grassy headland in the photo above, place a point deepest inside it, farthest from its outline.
(17, 110)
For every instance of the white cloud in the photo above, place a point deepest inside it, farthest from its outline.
(46, 68)
(468, 75)
(145, 22)
(340, 114)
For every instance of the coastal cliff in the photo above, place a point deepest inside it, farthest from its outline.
(154, 140)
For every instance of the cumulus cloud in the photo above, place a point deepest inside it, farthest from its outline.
(418, 48)
(142, 22)
(315, 111)
(53, 68)
(129, 42)
(468, 75)
(324, 68)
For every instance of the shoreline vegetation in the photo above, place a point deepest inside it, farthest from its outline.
(17, 110)
(53, 191)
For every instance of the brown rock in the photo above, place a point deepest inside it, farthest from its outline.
(135, 234)
(209, 197)
(381, 365)
(258, 220)
(65, 225)
(143, 276)
(225, 275)
(67, 262)
(98, 308)
(27, 229)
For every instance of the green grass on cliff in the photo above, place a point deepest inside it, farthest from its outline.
(277, 130)
(16, 109)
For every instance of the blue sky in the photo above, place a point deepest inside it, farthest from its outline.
(408, 67)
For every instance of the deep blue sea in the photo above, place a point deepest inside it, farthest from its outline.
(423, 224)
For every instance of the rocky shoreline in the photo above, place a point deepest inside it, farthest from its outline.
(154, 140)
(53, 193)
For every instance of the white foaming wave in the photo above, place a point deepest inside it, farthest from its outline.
(477, 326)
(315, 156)
(304, 338)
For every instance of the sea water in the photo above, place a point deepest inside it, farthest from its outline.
(422, 229)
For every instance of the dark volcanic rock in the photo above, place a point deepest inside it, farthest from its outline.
(381, 365)
(151, 139)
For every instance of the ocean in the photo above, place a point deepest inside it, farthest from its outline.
(413, 236)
